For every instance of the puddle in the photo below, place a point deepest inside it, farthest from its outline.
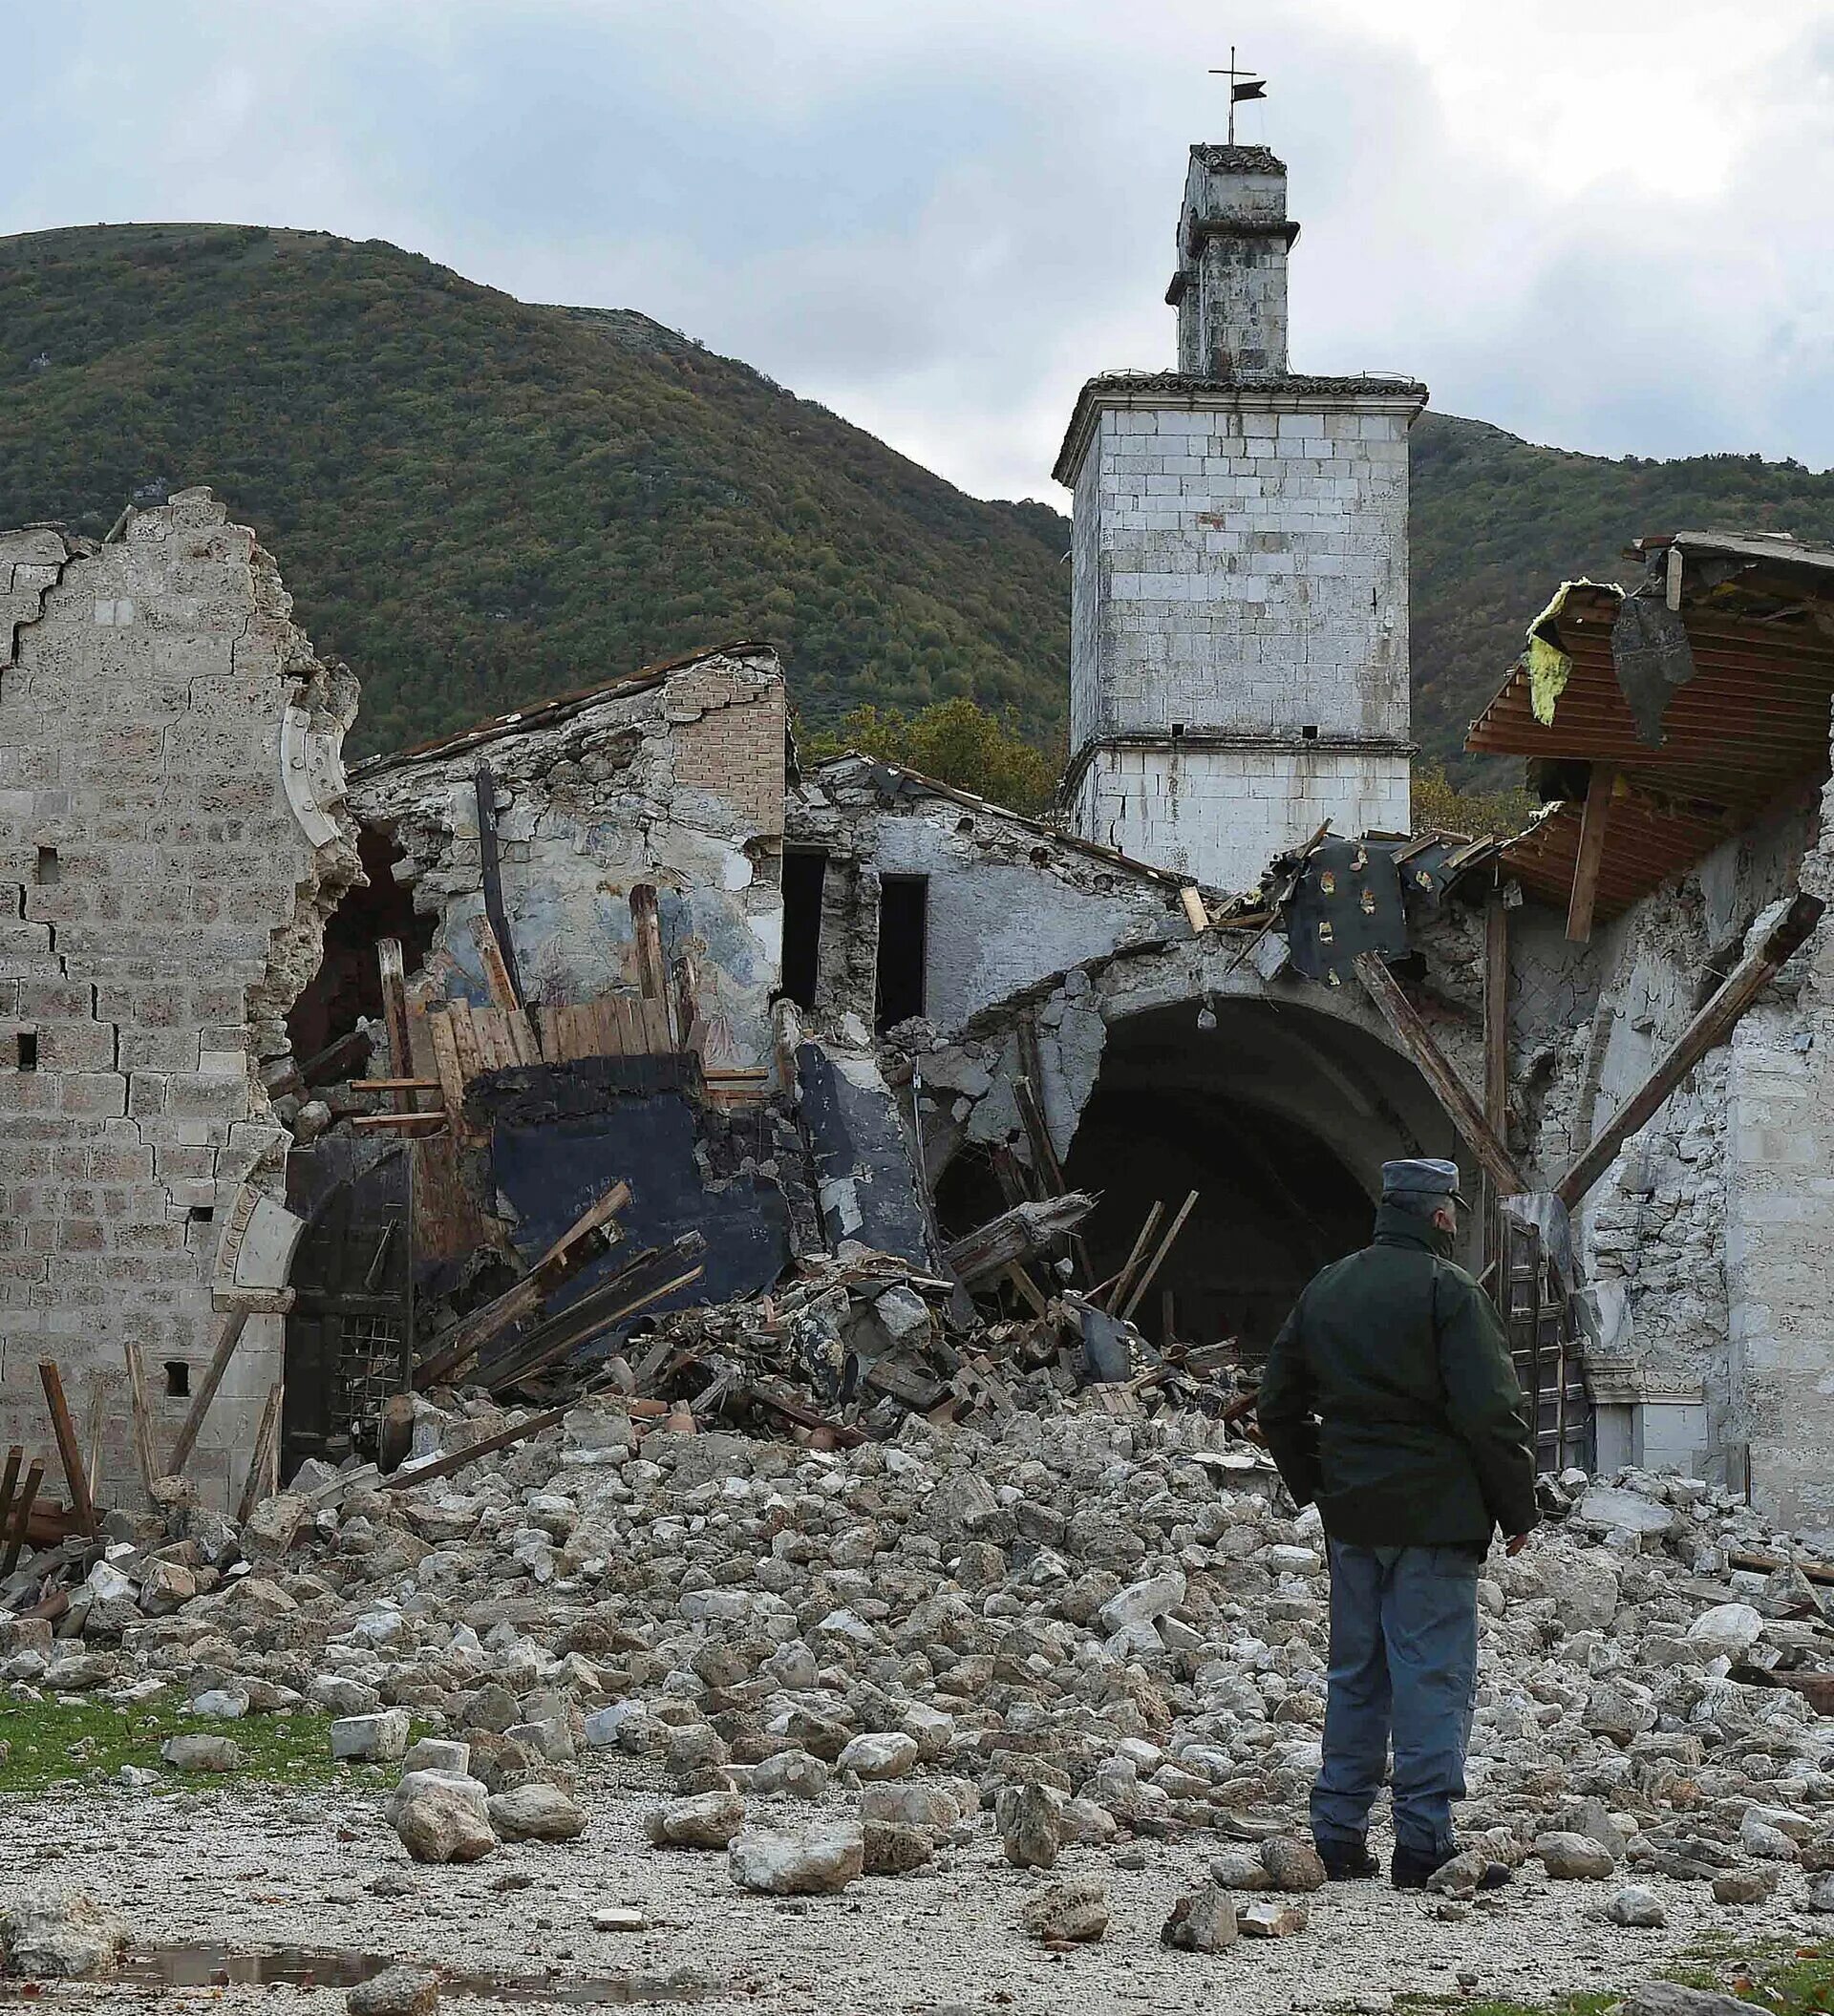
(203, 1966)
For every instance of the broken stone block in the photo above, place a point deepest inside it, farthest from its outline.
(59, 1935)
(276, 1524)
(1267, 1918)
(1240, 1869)
(1072, 1912)
(439, 1753)
(1031, 1832)
(1638, 1907)
(1203, 1922)
(1142, 1602)
(370, 1739)
(1726, 1631)
(437, 1823)
(1669, 1998)
(892, 1755)
(1292, 1864)
(399, 1990)
(811, 1861)
(793, 1771)
(1574, 1858)
(201, 1754)
(1746, 1886)
(536, 1813)
(708, 1819)
(892, 1850)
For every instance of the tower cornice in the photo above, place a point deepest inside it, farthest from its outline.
(1146, 391)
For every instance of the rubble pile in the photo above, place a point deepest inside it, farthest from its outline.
(1073, 1631)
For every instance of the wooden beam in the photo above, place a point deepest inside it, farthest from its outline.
(69, 1453)
(142, 1416)
(394, 1017)
(485, 787)
(227, 1339)
(8, 1484)
(1198, 917)
(259, 1481)
(1143, 1238)
(601, 1321)
(1710, 1027)
(652, 967)
(446, 1466)
(1436, 1068)
(504, 992)
(413, 1123)
(1590, 858)
(1158, 1259)
(1496, 1045)
(22, 1517)
(1016, 1235)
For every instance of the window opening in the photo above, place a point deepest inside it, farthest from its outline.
(177, 1379)
(904, 932)
(805, 873)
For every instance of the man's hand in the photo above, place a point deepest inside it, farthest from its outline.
(1515, 1543)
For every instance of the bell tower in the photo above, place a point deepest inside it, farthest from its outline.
(1238, 658)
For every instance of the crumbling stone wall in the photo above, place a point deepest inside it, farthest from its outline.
(673, 780)
(1687, 1240)
(1009, 902)
(171, 838)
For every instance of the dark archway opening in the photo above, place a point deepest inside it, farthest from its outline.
(348, 984)
(1280, 1118)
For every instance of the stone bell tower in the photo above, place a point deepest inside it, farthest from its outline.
(1238, 659)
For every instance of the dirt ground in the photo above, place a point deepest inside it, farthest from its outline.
(256, 1867)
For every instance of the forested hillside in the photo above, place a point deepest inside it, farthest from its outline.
(477, 501)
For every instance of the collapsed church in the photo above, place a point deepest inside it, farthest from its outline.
(302, 1066)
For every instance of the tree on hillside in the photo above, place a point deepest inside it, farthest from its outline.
(955, 742)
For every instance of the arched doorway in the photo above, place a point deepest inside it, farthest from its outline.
(1280, 1118)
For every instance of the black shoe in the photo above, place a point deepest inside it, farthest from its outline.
(1348, 1861)
(1410, 1868)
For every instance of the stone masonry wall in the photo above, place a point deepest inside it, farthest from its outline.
(675, 782)
(1689, 1241)
(1239, 579)
(170, 840)
(1222, 815)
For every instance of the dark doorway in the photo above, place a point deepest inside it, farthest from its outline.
(805, 874)
(1280, 1118)
(350, 1333)
(904, 945)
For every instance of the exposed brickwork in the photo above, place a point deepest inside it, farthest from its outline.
(162, 872)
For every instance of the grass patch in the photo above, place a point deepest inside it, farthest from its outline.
(81, 1742)
(1787, 1981)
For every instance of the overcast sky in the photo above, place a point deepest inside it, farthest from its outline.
(1599, 226)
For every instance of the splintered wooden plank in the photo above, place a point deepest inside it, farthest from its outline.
(445, 1057)
(658, 1039)
(465, 1040)
(69, 1453)
(606, 1042)
(1594, 823)
(520, 1031)
(631, 1040)
(547, 1027)
(394, 1016)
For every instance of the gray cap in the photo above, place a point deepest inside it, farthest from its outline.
(1424, 1176)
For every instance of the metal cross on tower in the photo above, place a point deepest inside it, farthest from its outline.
(1244, 84)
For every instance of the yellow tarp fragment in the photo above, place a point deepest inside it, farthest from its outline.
(1549, 668)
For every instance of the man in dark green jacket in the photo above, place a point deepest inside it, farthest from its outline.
(1390, 1401)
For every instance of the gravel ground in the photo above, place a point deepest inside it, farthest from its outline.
(256, 1869)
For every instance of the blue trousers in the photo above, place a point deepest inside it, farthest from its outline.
(1403, 1664)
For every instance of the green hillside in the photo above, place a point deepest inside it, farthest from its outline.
(1496, 525)
(477, 501)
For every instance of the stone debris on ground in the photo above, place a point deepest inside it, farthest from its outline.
(1088, 1643)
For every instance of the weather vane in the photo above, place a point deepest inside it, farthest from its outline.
(1244, 84)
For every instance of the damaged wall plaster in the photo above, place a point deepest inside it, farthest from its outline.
(171, 839)
(673, 779)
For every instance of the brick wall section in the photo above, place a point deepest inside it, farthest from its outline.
(168, 842)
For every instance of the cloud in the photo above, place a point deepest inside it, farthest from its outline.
(939, 219)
